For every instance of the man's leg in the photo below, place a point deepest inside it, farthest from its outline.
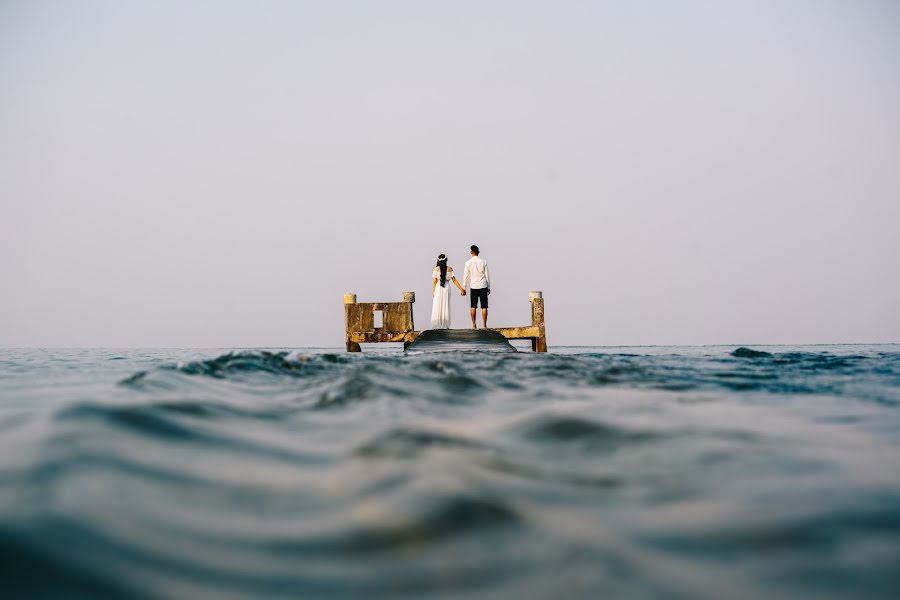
(472, 313)
(484, 317)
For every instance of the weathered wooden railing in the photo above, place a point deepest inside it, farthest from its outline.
(536, 332)
(373, 322)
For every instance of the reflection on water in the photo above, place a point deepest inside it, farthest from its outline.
(639, 472)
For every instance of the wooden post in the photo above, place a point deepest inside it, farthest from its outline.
(351, 345)
(411, 298)
(538, 344)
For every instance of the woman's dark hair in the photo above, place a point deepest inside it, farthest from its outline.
(442, 263)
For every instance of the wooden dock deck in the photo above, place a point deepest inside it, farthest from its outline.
(460, 340)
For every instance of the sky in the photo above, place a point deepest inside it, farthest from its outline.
(219, 173)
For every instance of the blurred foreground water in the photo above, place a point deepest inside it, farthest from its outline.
(679, 472)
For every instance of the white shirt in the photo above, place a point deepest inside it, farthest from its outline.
(476, 274)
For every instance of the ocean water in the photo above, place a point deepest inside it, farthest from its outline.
(680, 472)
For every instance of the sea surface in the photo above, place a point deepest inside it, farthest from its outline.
(590, 472)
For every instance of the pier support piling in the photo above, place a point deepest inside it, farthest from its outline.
(539, 342)
(352, 346)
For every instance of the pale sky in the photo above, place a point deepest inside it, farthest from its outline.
(216, 173)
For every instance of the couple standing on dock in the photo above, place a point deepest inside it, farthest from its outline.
(476, 278)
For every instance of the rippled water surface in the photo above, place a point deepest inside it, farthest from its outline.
(583, 473)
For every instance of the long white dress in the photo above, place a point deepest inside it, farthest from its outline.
(440, 306)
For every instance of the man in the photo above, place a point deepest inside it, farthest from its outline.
(477, 276)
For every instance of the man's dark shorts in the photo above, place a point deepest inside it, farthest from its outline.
(474, 295)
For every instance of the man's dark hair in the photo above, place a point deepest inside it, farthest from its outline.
(474, 249)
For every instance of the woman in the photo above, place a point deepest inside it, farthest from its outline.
(440, 292)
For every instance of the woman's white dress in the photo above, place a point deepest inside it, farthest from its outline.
(440, 306)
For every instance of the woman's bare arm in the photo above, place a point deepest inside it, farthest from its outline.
(433, 285)
(462, 290)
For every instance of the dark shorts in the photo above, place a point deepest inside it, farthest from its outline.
(474, 295)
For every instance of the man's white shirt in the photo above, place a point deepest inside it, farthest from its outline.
(476, 274)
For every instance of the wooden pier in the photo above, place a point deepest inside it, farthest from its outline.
(374, 322)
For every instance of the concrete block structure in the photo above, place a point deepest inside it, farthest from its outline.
(374, 322)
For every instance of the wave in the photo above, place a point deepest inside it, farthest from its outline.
(556, 429)
(238, 363)
(410, 443)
